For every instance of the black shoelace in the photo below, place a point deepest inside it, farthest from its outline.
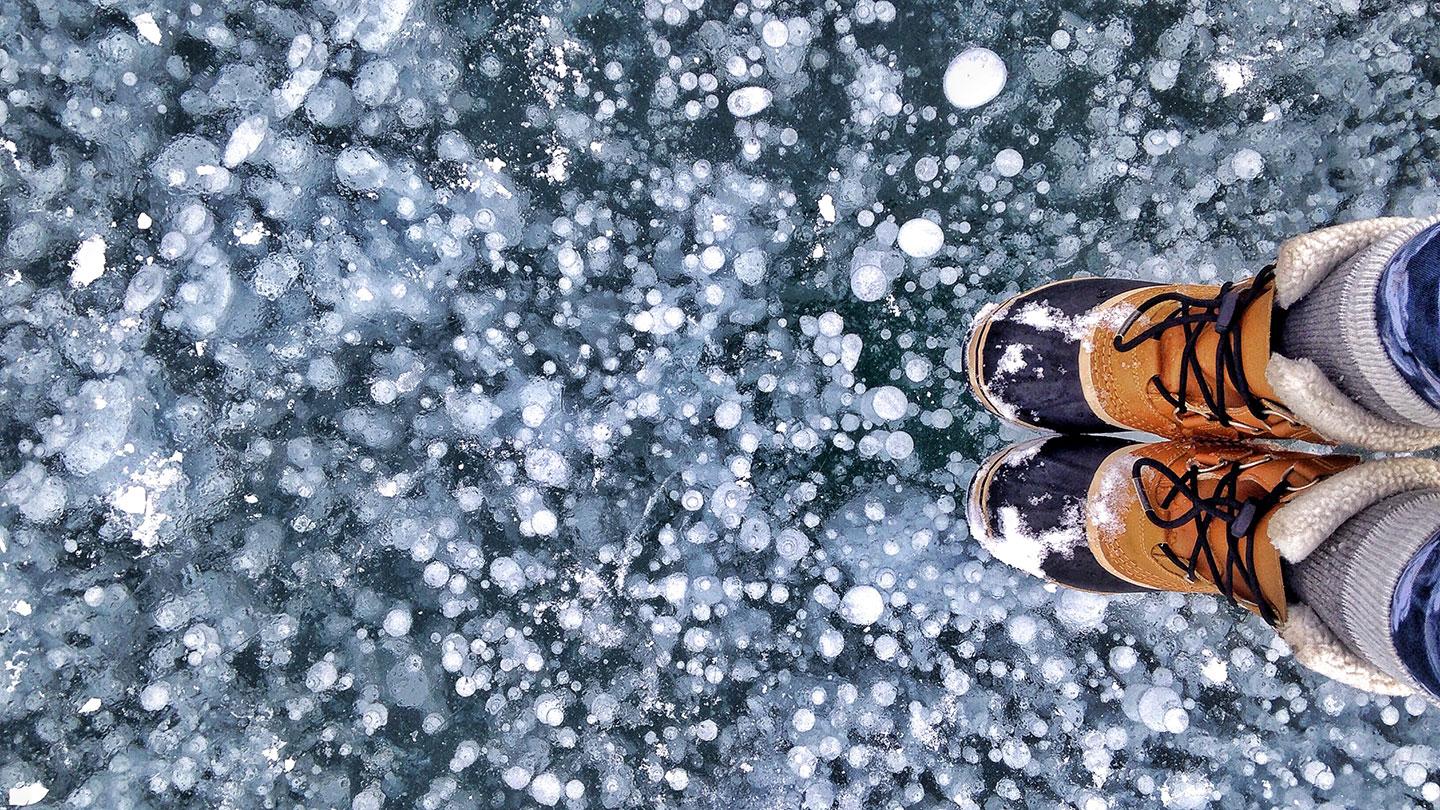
(1222, 313)
(1240, 516)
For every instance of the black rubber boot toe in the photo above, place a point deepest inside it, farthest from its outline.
(1027, 508)
(1024, 355)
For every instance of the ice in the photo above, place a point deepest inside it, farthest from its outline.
(920, 238)
(862, 605)
(88, 263)
(538, 405)
(974, 78)
(148, 29)
(748, 101)
(245, 140)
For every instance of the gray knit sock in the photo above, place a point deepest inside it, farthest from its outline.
(1334, 326)
(1350, 579)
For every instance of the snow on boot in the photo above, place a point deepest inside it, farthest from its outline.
(1106, 515)
(1207, 361)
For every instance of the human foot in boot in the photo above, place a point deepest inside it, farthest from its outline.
(1302, 350)
(1237, 521)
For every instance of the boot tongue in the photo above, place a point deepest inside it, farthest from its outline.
(1252, 322)
(1237, 546)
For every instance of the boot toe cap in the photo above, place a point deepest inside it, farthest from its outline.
(1027, 505)
(1024, 355)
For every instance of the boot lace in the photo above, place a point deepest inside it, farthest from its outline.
(1241, 518)
(1221, 313)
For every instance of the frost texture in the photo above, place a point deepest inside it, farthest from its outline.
(451, 405)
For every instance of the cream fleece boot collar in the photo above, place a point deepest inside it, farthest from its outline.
(1308, 520)
(1302, 263)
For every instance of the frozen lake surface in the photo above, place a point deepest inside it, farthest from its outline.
(469, 405)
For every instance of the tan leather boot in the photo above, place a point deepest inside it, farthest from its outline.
(1184, 361)
(1102, 514)
(1106, 515)
(1173, 360)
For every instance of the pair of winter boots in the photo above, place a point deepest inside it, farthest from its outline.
(1327, 346)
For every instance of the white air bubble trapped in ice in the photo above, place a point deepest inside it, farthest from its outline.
(147, 28)
(26, 794)
(1247, 164)
(974, 78)
(920, 238)
(1008, 163)
(889, 403)
(748, 101)
(862, 605)
(88, 263)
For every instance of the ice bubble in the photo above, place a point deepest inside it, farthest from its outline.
(1123, 658)
(748, 101)
(727, 415)
(1015, 753)
(507, 574)
(1021, 629)
(899, 445)
(380, 22)
(546, 789)
(516, 777)
(375, 82)
(974, 78)
(550, 709)
(749, 267)
(155, 696)
(1081, 610)
(397, 621)
(360, 168)
(130, 499)
(1247, 164)
(677, 778)
(888, 403)
(862, 605)
(920, 238)
(88, 263)
(546, 466)
(245, 140)
(1187, 791)
(544, 522)
(1160, 710)
(775, 33)
(147, 28)
(1008, 163)
(826, 206)
(1215, 670)
(321, 676)
(869, 283)
(28, 793)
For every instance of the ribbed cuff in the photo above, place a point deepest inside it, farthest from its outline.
(1349, 581)
(1334, 326)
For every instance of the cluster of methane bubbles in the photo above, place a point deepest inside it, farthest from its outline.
(464, 405)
